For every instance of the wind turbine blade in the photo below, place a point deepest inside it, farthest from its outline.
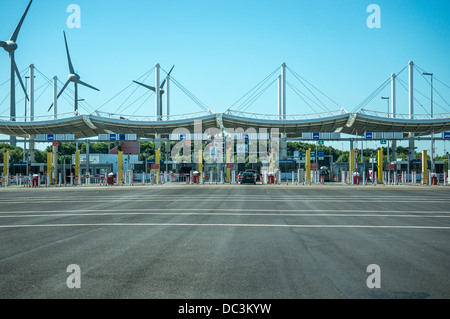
(146, 86)
(59, 94)
(168, 74)
(20, 80)
(87, 85)
(68, 55)
(16, 31)
(2, 44)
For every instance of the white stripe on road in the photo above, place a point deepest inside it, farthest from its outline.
(222, 225)
(164, 211)
(46, 214)
(228, 199)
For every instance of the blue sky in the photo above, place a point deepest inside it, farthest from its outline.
(223, 48)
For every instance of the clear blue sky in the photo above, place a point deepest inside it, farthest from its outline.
(223, 48)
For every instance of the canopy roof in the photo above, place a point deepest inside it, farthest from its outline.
(83, 126)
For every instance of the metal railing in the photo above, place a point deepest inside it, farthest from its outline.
(143, 118)
(38, 118)
(293, 117)
(405, 116)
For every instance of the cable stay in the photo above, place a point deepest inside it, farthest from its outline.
(404, 85)
(194, 98)
(251, 93)
(248, 102)
(302, 80)
(302, 96)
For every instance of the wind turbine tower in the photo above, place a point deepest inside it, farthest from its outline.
(10, 46)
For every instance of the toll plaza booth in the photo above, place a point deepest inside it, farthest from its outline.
(35, 180)
(110, 178)
(355, 178)
(195, 177)
(434, 179)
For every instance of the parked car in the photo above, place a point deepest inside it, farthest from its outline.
(254, 171)
(248, 177)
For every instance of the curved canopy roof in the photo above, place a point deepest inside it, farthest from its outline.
(83, 126)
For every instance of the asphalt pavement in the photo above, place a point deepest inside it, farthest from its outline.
(225, 241)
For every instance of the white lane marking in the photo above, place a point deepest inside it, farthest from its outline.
(223, 225)
(228, 199)
(239, 210)
(46, 214)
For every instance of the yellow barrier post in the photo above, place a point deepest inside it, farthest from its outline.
(49, 167)
(308, 165)
(425, 167)
(351, 160)
(120, 167)
(200, 165)
(77, 167)
(5, 168)
(157, 162)
(380, 166)
(228, 157)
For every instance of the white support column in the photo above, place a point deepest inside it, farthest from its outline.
(393, 114)
(157, 93)
(411, 110)
(280, 111)
(283, 90)
(55, 97)
(411, 89)
(168, 98)
(31, 96)
(393, 99)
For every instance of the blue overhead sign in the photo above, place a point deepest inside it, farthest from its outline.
(368, 135)
(321, 153)
(112, 137)
(50, 137)
(446, 135)
(312, 154)
(316, 136)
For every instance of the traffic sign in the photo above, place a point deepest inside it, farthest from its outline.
(383, 141)
(50, 137)
(316, 136)
(321, 153)
(321, 142)
(368, 135)
(446, 135)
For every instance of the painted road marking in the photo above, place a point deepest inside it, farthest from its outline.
(222, 225)
(331, 212)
